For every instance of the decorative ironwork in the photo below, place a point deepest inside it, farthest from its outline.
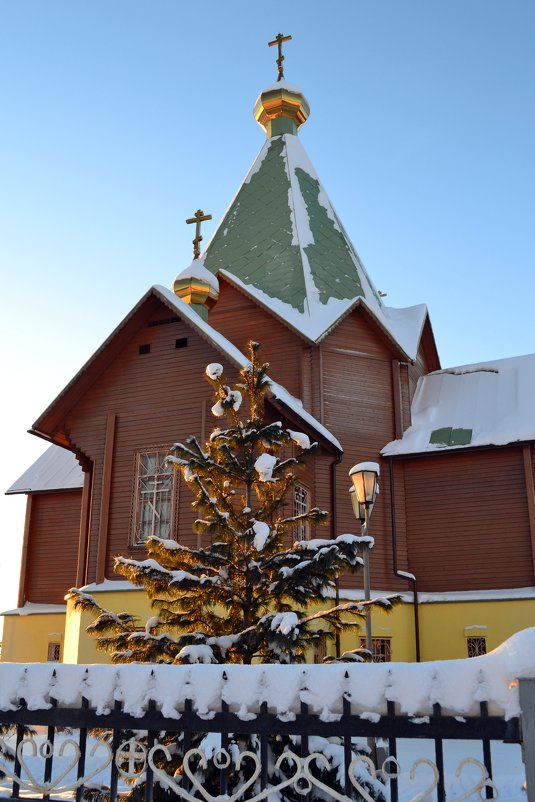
(476, 645)
(299, 772)
(47, 752)
(67, 765)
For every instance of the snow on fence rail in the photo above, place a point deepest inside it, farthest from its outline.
(456, 685)
(318, 711)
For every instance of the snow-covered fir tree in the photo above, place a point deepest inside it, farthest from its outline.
(252, 592)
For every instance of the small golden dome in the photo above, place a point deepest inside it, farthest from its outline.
(197, 286)
(281, 109)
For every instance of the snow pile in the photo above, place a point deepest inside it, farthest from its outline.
(197, 270)
(261, 534)
(491, 401)
(264, 466)
(457, 685)
(300, 438)
(214, 370)
(232, 400)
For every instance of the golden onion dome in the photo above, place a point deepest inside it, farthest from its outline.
(281, 109)
(197, 286)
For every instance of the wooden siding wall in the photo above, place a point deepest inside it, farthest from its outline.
(157, 398)
(467, 520)
(424, 363)
(52, 547)
(240, 320)
(358, 407)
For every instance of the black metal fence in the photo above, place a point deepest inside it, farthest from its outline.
(134, 750)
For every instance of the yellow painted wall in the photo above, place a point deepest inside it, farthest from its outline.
(397, 625)
(81, 647)
(444, 624)
(444, 627)
(26, 637)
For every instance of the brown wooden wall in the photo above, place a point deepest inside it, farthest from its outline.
(52, 546)
(157, 399)
(356, 403)
(239, 319)
(467, 520)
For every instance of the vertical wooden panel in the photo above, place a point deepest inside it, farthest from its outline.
(53, 546)
(105, 496)
(397, 399)
(85, 518)
(25, 545)
(530, 496)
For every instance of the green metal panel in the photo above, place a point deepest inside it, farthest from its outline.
(330, 258)
(451, 437)
(254, 241)
(461, 437)
(441, 437)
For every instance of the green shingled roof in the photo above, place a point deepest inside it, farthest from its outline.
(254, 240)
(282, 242)
(282, 239)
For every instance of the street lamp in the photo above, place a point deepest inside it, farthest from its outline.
(365, 488)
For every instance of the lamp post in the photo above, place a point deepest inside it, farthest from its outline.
(365, 477)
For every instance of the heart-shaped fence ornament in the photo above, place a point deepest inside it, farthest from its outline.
(47, 750)
(222, 759)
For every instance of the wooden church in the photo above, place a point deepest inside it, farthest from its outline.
(454, 524)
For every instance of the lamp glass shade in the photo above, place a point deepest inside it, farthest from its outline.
(365, 484)
(358, 508)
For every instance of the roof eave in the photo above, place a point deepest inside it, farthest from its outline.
(457, 449)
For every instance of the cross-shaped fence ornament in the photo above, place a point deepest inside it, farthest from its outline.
(279, 39)
(198, 218)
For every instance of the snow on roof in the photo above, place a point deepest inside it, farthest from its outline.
(30, 608)
(490, 403)
(197, 270)
(236, 356)
(56, 469)
(282, 241)
(403, 326)
(457, 685)
(443, 597)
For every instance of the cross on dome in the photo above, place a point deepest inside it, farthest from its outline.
(198, 218)
(279, 39)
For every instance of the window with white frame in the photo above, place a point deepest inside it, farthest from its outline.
(154, 493)
(301, 506)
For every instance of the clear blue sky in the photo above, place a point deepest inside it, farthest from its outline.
(119, 119)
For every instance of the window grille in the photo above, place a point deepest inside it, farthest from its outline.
(53, 652)
(476, 645)
(301, 506)
(154, 496)
(381, 649)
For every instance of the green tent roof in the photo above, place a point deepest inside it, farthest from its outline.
(282, 242)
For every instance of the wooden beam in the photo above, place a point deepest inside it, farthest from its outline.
(85, 522)
(398, 400)
(322, 400)
(530, 496)
(102, 546)
(24, 558)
